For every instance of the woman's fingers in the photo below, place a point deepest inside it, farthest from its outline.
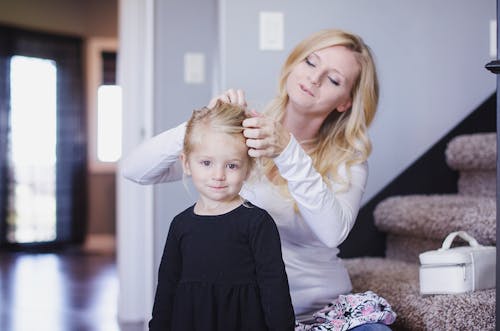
(265, 137)
(253, 133)
(212, 102)
(234, 96)
(258, 121)
(241, 98)
(259, 152)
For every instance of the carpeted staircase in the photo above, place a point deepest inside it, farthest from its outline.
(417, 223)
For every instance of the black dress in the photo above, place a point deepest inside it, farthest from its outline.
(222, 273)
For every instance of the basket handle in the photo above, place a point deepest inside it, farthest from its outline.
(462, 234)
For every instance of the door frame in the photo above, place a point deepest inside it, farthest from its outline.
(135, 231)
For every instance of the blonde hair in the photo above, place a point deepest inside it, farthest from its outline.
(342, 138)
(223, 117)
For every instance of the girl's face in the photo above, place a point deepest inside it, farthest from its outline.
(323, 82)
(218, 165)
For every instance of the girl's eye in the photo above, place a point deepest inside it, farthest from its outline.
(333, 81)
(232, 166)
(309, 63)
(205, 163)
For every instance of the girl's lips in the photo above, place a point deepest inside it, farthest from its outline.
(217, 187)
(305, 89)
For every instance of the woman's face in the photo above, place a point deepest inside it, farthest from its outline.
(323, 82)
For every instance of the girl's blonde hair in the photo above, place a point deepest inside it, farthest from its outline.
(223, 117)
(342, 138)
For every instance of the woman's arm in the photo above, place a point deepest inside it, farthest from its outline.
(329, 215)
(156, 160)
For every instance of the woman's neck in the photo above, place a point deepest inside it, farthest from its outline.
(303, 126)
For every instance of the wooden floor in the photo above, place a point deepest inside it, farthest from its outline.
(59, 292)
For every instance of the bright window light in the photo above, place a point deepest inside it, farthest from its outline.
(32, 157)
(109, 123)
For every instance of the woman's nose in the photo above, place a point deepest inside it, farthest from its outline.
(315, 78)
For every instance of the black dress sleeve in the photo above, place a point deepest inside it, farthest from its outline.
(168, 278)
(271, 276)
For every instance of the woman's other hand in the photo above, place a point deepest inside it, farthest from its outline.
(265, 137)
(234, 96)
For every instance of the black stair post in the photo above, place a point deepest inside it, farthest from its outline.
(494, 67)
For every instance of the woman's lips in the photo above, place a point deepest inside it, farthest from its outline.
(305, 89)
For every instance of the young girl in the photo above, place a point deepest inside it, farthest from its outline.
(222, 267)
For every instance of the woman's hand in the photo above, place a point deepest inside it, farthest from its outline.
(265, 137)
(230, 96)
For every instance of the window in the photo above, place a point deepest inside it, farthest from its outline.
(43, 142)
(104, 100)
(109, 119)
(32, 150)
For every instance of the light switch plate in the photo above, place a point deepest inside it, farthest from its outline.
(194, 68)
(271, 31)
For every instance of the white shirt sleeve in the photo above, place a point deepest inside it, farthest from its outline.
(157, 159)
(329, 215)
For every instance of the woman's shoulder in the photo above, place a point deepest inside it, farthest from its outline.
(360, 168)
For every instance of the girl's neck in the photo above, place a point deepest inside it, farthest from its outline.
(210, 207)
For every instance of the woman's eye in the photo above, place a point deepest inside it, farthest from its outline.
(333, 81)
(309, 62)
(205, 163)
(232, 166)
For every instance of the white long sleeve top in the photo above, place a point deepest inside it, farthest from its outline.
(309, 237)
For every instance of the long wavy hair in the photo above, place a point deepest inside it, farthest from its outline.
(342, 139)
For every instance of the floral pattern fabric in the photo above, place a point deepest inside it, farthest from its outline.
(349, 311)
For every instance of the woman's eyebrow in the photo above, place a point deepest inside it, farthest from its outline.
(329, 69)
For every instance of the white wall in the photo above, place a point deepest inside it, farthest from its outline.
(430, 56)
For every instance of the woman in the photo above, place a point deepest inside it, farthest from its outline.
(313, 144)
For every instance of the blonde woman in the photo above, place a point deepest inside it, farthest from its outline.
(313, 147)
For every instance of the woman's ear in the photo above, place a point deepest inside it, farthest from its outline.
(185, 164)
(345, 106)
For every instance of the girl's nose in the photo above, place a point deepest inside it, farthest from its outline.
(219, 173)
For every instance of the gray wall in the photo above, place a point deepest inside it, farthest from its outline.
(179, 29)
(430, 55)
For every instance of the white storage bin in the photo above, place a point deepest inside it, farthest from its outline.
(459, 269)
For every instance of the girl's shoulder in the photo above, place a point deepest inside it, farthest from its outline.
(249, 207)
(254, 213)
(185, 214)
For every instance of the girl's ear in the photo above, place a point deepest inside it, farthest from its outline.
(185, 164)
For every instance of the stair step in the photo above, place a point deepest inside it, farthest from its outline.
(478, 183)
(435, 216)
(398, 283)
(408, 248)
(472, 152)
